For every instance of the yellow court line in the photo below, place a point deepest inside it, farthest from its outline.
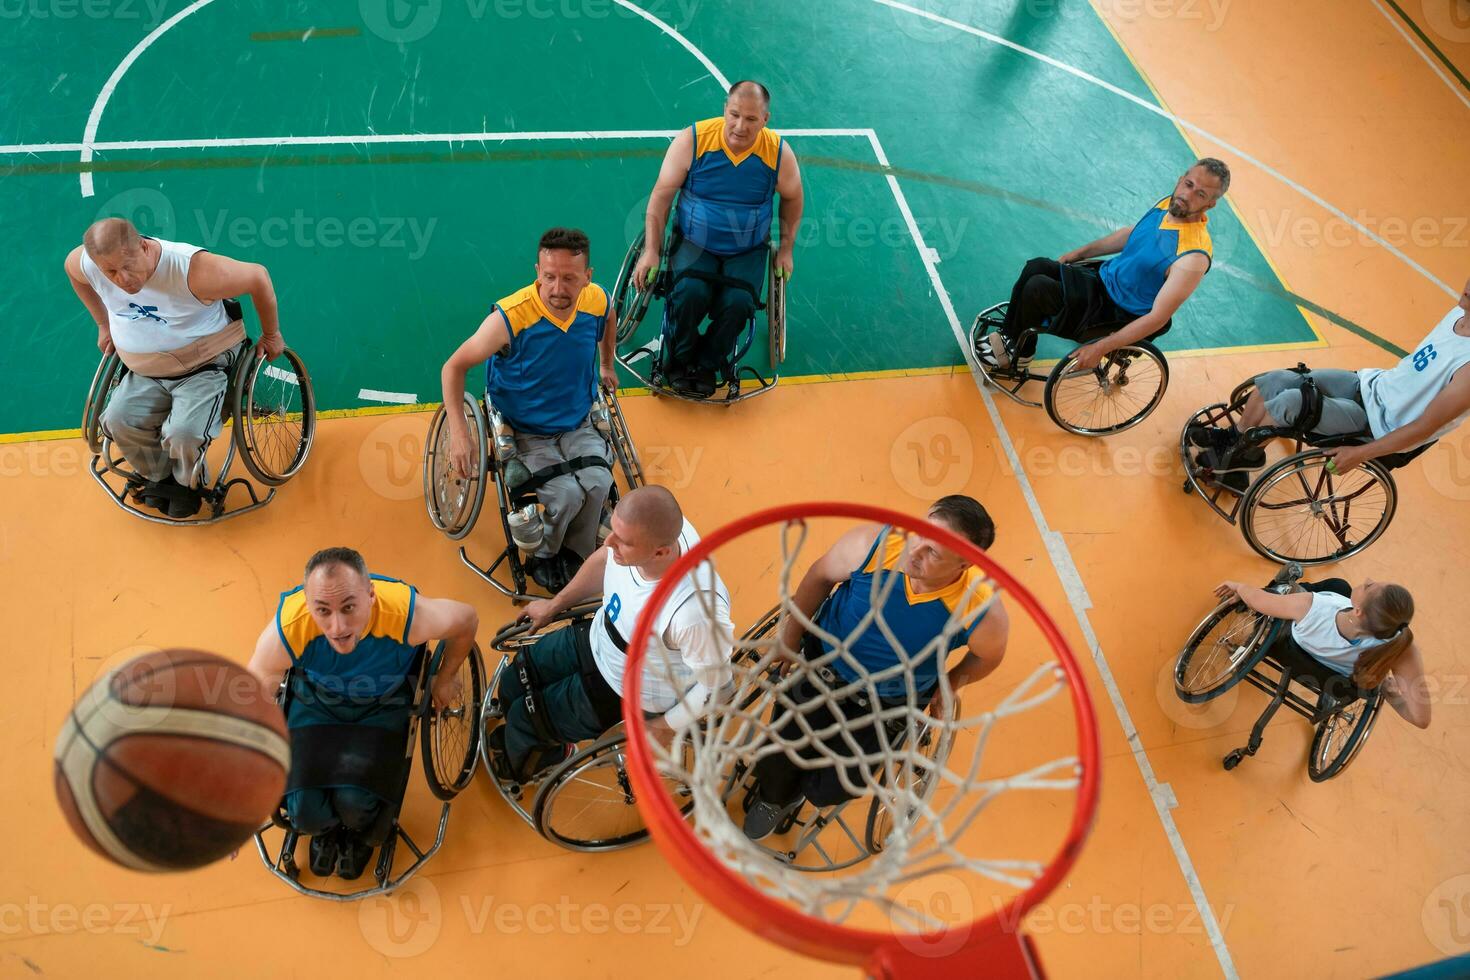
(1321, 341)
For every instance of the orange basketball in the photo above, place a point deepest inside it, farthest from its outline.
(171, 760)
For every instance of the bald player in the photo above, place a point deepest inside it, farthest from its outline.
(574, 675)
(724, 172)
(161, 306)
(353, 639)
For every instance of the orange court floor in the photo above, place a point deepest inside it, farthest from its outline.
(1359, 876)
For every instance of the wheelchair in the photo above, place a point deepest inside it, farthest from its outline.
(831, 838)
(272, 417)
(632, 306)
(1122, 391)
(585, 803)
(448, 742)
(1234, 643)
(1297, 509)
(454, 502)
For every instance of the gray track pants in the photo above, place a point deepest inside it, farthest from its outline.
(165, 425)
(573, 501)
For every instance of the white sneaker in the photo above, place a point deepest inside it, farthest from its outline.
(1001, 358)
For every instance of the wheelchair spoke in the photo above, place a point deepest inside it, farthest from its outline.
(1112, 396)
(1310, 514)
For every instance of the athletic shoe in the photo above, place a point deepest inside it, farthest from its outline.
(353, 857)
(323, 852)
(763, 818)
(1230, 460)
(1234, 481)
(993, 352)
(499, 761)
(184, 503)
(1290, 574)
(1212, 436)
(545, 571)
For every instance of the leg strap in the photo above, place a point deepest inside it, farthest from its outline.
(542, 477)
(531, 685)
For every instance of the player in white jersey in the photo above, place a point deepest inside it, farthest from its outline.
(1422, 398)
(574, 676)
(1361, 634)
(161, 306)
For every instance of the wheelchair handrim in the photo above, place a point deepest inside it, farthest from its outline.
(1298, 466)
(1238, 666)
(1063, 374)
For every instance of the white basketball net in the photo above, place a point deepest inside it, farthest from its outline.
(929, 794)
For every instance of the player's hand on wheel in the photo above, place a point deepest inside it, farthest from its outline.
(104, 342)
(1089, 356)
(609, 377)
(538, 613)
(446, 691)
(272, 344)
(784, 264)
(460, 451)
(646, 269)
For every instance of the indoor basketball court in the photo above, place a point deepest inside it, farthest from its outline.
(392, 164)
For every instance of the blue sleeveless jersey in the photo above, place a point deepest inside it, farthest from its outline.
(1134, 277)
(543, 381)
(914, 619)
(728, 201)
(377, 665)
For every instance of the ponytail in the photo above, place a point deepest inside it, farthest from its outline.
(1375, 665)
(1386, 615)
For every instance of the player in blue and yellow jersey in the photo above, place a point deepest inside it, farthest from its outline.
(542, 347)
(352, 638)
(1157, 265)
(940, 597)
(725, 173)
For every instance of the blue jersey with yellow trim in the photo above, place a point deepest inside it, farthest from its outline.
(728, 199)
(914, 619)
(377, 665)
(542, 382)
(1134, 277)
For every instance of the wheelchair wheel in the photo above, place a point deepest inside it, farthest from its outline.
(624, 452)
(880, 817)
(1118, 394)
(274, 414)
(776, 312)
(109, 373)
(632, 302)
(587, 803)
(454, 501)
(1223, 648)
(1299, 511)
(1340, 737)
(450, 739)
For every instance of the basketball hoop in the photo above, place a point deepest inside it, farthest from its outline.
(933, 793)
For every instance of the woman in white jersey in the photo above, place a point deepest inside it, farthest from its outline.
(160, 306)
(574, 675)
(1420, 399)
(1361, 635)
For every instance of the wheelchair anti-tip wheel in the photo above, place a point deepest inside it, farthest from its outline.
(274, 411)
(454, 500)
(450, 738)
(1298, 510)
(1122, 391)
(1221, 651)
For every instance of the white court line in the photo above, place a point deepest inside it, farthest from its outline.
(1410, 40)
(289, 377)
(371, 138)
(1184, 123)
(391, 397)
(1160, 793)
(94, 118)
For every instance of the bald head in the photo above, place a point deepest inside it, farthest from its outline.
(655, 513)
(111, 236)
(750, 90)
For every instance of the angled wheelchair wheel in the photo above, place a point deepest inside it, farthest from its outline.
(1298, 510)
(632, 302)
(274, 415)
(587, 803)
(621, 439)
(776, 312)
(1223, 648)
(934, 745)
(450, 739)
(109, 373)
(454, 501)
(1340, 736)
(1119, 393)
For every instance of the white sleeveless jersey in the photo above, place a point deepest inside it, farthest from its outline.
(1399, 395)
(667, 674)
(162, 316)
(1317, 633)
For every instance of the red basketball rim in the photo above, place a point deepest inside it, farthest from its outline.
(754, 909)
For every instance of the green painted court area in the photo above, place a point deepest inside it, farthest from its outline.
(386, 254)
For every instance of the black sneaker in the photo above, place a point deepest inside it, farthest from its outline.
(705, 383)
(184, 503)
(353, 857)
(499, 761)
(1232, 461)
(323, 852)
(157, 495)
(762, 819)
(1234, 481)
(545, 571)
(1212, 436)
